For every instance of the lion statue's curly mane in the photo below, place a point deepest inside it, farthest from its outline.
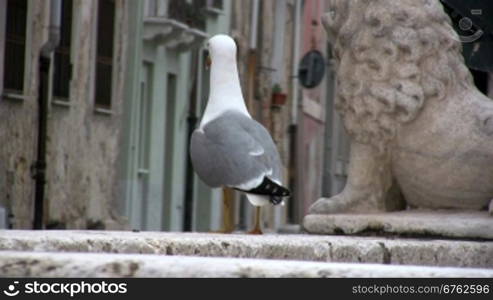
(421, 133)
(390, 62)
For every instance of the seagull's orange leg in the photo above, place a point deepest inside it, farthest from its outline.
(228, 218)
(256, 229)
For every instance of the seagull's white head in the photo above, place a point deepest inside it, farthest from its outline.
(222, 48)
(225, 90)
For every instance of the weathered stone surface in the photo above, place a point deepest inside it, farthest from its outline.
(419, 127)
(292, 247)
(83, 147)
(37, 264)
(460, 225)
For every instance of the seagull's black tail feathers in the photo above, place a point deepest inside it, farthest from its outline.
(270, 188)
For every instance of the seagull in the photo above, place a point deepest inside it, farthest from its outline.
(229, 148)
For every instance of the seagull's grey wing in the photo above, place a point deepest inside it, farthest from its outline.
(234, 150)
(270, 156)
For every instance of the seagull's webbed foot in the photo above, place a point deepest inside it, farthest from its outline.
(223, 231)
(255, 231)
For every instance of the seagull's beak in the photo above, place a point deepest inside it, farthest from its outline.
(208, 62)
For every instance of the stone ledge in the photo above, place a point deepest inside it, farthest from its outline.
(40, 264)
(293, 247)
(445, 224)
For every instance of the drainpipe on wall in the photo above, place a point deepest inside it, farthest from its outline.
(192, 120)
(293, 127)
(254, 22)
(44, 67)
(252, 54)
(294, 71)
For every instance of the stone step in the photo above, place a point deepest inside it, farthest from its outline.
(45, 264)
(284, 247)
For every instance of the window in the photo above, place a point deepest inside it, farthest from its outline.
(218, 4)
(104, 55)
(15, 46)
(210, 4)
(189, 13)
(62, 69)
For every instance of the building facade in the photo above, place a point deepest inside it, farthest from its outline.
(166, 95)
(124, 93)
(84, 87)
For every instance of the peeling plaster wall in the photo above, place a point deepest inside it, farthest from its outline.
(83, 145)
(312, 117)
(18, 128)
(240, 31)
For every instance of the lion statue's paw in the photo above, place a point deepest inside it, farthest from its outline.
(332, 205)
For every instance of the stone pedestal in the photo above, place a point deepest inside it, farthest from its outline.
(422, 224)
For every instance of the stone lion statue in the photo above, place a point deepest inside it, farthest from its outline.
(421, 133)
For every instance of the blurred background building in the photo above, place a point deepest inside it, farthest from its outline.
(61, 116)
(94, 134)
